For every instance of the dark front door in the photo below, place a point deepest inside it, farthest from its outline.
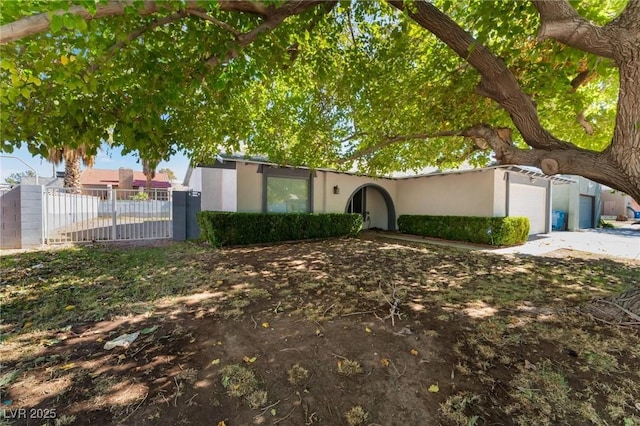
(357, 204)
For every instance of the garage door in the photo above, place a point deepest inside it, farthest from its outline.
(529, 201)
(586, 212)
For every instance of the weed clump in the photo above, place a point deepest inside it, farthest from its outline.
(455, 408)
(298, 374)
(257, 399)
(356, 416)
(349, 367)
(239, 381)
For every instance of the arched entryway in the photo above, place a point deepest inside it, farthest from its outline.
(375, 205)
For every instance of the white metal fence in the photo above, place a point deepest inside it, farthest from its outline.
(106, 214)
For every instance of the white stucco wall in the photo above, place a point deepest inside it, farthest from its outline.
(560, 197)
(325, 201)
(218, 189)
(465, 194)
(499, 193)
(195, 180)
(618, 202)
(249, 188)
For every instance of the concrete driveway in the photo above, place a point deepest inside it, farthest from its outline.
(619, 242)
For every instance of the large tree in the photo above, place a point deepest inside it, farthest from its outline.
(379, 85)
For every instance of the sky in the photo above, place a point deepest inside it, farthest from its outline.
(107, 158)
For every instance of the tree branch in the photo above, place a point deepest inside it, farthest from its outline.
(582, 120)
(597, 166)
(583, 77)
(561, 22)
(217, 22)
(390, 140)
(41, 22)
(497, 82)
(252, 7)
(275, 18)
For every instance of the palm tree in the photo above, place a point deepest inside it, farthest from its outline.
(71, 158)
(149, 170)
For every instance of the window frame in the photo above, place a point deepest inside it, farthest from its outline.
(286, 172)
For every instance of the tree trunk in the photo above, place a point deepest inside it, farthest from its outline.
(72, 174)
(149, 170)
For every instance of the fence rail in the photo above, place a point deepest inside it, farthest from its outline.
(114, 214)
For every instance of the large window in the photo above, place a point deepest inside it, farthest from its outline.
(287, 195)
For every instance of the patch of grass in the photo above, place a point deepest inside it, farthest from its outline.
(356, 416)
(349, 367)
(258, 293)
(8, 377)
(542, 393)
(239, 381)
(102, 385)
(65, 420)
(298, 374)
(601, 361)
(240, 303)
(459, 408)
(257, 399)
(190, 375)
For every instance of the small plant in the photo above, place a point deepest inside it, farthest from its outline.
(605, 225)
(298, 374)
(456, 406)
(238, 380)
(258, 293)
(140, 196)
(189, 375)
(349, 367)
(356, 416)
(65, 420)
(257, 399)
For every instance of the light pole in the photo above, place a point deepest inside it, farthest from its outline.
(20, 160)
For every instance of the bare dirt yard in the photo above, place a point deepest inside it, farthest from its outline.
(336, 332)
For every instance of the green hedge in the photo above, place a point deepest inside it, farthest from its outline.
(498, 231)
(230, 229)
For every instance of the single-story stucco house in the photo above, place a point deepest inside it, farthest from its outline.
(250, 185)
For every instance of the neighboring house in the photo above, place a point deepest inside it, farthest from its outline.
(246, 185)
(580, 203)
(122, 178)
(615, 203)
(94, 181)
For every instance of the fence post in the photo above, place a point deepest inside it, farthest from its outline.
(45, 214)
(114, 225)
(194, 202)
(179, 214)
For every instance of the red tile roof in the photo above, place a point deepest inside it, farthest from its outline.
(102, 177)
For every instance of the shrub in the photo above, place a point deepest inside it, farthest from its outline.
(605, 225)
(140, 196)
(498, 231)
(225, 228)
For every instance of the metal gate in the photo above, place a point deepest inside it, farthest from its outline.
(72, 215)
